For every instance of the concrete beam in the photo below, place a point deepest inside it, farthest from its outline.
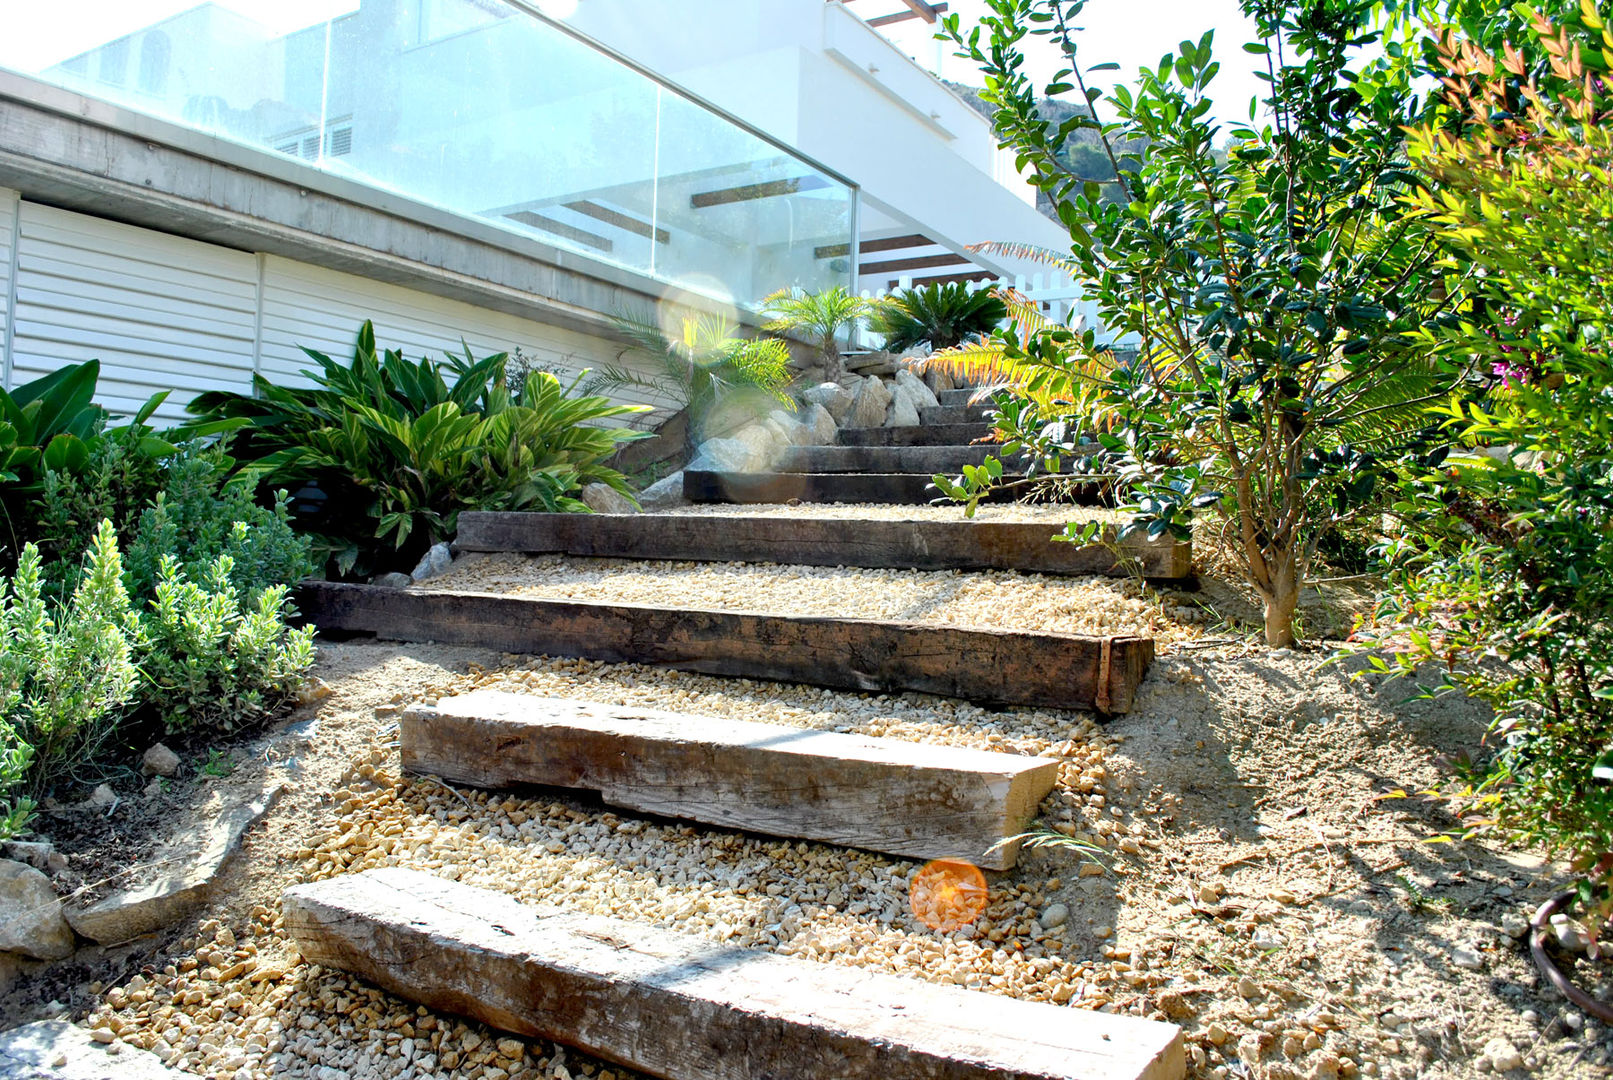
(77, 153)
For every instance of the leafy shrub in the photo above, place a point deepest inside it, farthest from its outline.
(943, 315)
(710, 365)
(397, 452)
(209, 659)
(1503, 570)
(1272, 382)
(73, 673)
(50, 431)
(65, 677)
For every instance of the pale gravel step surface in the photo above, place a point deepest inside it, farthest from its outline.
(1303, 960)
(982, 599)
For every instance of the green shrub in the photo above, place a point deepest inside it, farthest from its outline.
(208, 659)
(1503, 568)
(398, 451)
(821, 317)
(65, 677)
(74, 673)
(943, 316)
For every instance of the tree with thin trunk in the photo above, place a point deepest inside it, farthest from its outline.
(1259, 282)
(820, 317)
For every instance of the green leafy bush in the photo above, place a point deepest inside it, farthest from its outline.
(398, 451)
(819, 316)
(66, 675)
(74, 673)
(943, 316)
(1273, 380)
(708, 367)
(1504, 564)
(208, 658)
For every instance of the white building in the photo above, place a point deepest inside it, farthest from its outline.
(190, 192)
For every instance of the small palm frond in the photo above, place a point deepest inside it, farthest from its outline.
(1009, 250)
(821, 315)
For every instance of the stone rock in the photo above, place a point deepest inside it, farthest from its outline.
(102, 796)
(869, 404)
(1571, 933)
(788, 429)
(923, 396)
(159, 761)
(1055, 915)
(831, 396)
(434, 563)
(904, 409)
(183, 871)
(60, 1051)
(36, 853)
(820, 427)
(664, 493)
(393, 580)
(31, 920)
(1464, 957)
(938, 380)
(604, 499)
(1502, 1055)
(751, 449)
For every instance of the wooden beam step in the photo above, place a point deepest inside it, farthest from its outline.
(682, 1007)
(911, 489)
(996, 666)
(930, 544)
(923, 460)
(933, 435)
(888, 795)
(956, 414)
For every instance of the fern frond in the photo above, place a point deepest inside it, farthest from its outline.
(1012, 250)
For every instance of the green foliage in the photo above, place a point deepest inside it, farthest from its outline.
(73, 673)
(708, 367)
(821, 317)
(1272, 381)
(65, 677)
(1503, 568)
(943, 316)
(51, 430)
(398, 450)
(210, 660)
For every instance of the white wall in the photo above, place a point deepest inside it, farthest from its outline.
(9, 200)
(165, 313)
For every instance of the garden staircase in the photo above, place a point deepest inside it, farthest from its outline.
(678, 1006)
(870, 465)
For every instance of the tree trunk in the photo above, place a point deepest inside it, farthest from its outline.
(1282, 600)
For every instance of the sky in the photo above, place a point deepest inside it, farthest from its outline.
(1132, 33)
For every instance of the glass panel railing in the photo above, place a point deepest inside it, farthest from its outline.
(472, 106)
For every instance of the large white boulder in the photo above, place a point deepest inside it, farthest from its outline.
(831, 396)
(923, 396)
(787, 430)
(820, 427)
(904, 408)
(753, 448)
(31, 921)
(869, 405)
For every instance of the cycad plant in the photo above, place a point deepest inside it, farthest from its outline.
(398, 451)
(707, 365)
(942, 315)
(821, 317)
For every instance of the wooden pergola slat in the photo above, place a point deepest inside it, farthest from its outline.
(622, 221)
(916, 9)
(772, 189)
(921, 262)
(889, 243)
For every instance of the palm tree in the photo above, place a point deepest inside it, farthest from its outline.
(708, 363)
(944, 315)
(819, 316)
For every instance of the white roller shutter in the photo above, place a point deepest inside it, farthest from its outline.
(8, 254)
(322, 309)
(159, 312)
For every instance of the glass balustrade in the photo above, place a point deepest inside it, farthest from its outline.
(477, 107)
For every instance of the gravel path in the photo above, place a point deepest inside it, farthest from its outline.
(1002, 599)
(1250, 885)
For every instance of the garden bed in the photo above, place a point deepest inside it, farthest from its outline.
(1255, 887)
